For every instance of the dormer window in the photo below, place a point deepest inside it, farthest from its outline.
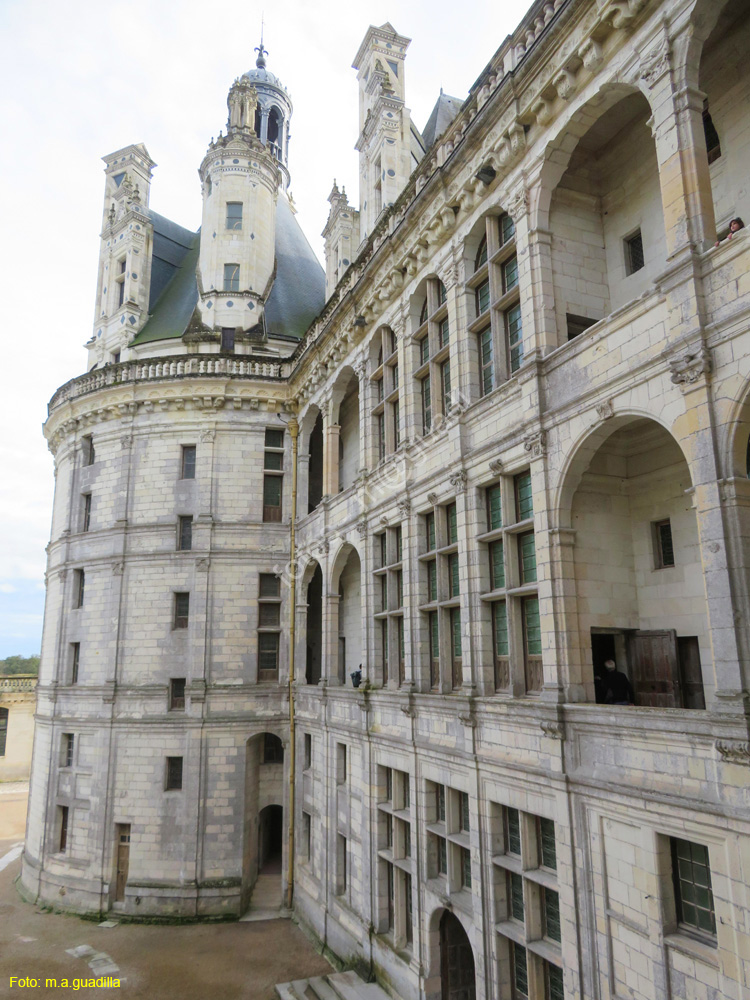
(234, 215)
(231, 277)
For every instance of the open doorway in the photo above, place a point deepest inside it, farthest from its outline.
(457, 976)
(270, 834)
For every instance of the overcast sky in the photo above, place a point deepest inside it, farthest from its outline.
(80, 80)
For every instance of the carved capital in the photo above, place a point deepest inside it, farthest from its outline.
(691, 367)
(536, 445)
(362, 527)
(404, 507)
(554, 730)
(605, 410)
(458, 480)
(518, 204)
(733, 751)
(432, 498)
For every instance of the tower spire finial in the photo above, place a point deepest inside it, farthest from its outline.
(260, 62)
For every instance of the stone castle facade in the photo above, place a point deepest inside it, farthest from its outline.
(502, 440)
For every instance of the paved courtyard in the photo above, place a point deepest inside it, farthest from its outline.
(237, 961)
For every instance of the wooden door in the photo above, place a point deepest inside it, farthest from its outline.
(123, 860)
(456, 961)
(654, 668)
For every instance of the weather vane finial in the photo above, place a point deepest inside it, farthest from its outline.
(260, 62)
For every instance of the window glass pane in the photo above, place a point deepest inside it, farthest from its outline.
(532, 627)
(188, 461)
(442, 856)
(497, 566)
(512, 831)
(234, 215)
(514, 333)
(273, 460)
(520, 973)
(270, 585)
(507, 229)
(430, 531)
(444, 332)
(231, 277)
(426, 405)
(510, 274)
(424, 350)
(481, 257)
(451, 522)
(465, 868)
(274, 438)
(486, 361)
(269, 615)
(515, 892)
(431, 581)
(547, 845)
(445, 379)
(694, 896)
(494, 508)
(272, 491)
(527, 557)
(442, 295)
(268, 654)
(551, 914)
(524, 501)
(500, 627)
(453, 575)
(483, 297)
(456, 630)
(555, 989)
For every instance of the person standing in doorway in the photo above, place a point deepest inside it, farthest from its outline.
(617, 688)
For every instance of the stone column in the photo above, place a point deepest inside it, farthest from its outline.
(331, 433)
(360, 369)
(330, 638)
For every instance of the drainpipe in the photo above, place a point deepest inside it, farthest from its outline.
(294, 431)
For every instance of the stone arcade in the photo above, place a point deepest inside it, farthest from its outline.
(513, 418)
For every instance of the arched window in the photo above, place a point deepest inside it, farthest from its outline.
(258, 118)
(3, 730)
(713, 145)
(481, 257)
(274, 126)
(423, 314)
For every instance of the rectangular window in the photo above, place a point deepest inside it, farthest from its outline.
(75, 659)
(185, 533)
(482, 295)
(694, 897)
(512, 820)
(663, 545)
(500, 644)
(86, 519)
(527, 557)
(524, 502)
(515, 896)
(341, 863)
(384, 647)
(227, 339)
(465, 868)
(234, 215)
(408, 916)
(272, 498)
(308, 752)
(274, 438)
(434, 649)
(486, 362)
(456, 647)
(269, 615)
(181, 610)
(426, 405)
(532, 642)
(453, 579)
(429, 525)
(440, 803)
(89, 456)
(432, 580)
(268, 656)
(451, 521)
(464, 818)
(396, 424)
(121, 292)
(398, 536)
(341, 763)
(174, 774)
(383, 550)
(520, 972)
(177, 694)
(269, 585)
(306, 836)
(63, 828)
(547, 845)
(553, 982)
(497, 565)
(634, 258)
(510, 274)
(187, 463)
(507, 229)
(494, 507)
(442, 856)
(444, 332)
(79, 586)
(68, 749)
(551, 912)
(445, 382)
(380, 428)
(424, 351)
(514, 334)
(231, 277)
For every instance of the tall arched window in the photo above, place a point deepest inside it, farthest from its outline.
(3, 730)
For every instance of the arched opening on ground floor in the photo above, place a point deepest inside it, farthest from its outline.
(263, 820)
(457, 975)
(270, 840)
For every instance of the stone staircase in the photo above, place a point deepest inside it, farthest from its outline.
(336, 986)
(266, 900)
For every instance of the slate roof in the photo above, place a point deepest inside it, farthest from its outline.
(296, 298)
(445, 110)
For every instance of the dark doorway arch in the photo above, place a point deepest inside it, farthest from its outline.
(456, 961)
(270, 838)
